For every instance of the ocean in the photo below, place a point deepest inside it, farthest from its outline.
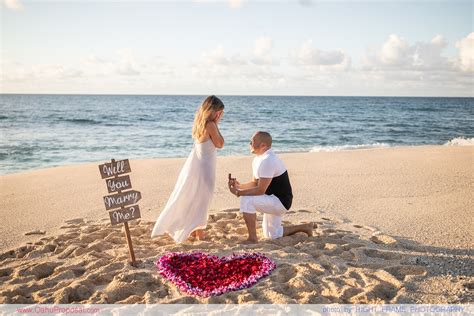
(39, 131)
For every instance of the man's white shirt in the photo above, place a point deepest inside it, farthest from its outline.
(267, 165)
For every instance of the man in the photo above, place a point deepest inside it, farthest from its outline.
(269, 192)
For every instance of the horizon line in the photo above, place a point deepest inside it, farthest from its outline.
(241, 95)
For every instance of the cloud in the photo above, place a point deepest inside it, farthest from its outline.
(263, 45)
(13, 4)
(261, 55)
(233, 4)
(122, 63)
(126, 64)
(306, 55)
(94, 59)
(54, 71)
(397, 54)
(262, 52)
(305, 3)
(395, 51)
(439, 41)
(466, 53)
(251, 69)
(127, 69)
(236, 4)
(218, 57)
(420, 67)
(44, 72)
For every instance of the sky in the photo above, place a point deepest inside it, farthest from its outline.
(238, 47)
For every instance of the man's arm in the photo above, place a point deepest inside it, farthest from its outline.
(247, 185)
(259, 189)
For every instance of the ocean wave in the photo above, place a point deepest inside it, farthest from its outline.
(82, 121)
(460, 141)
(348, 147)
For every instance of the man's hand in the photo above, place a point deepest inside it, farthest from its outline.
(233, 185)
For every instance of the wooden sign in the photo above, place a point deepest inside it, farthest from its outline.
(124, 214)
(121, 198)
(118, 184)
(114, 168)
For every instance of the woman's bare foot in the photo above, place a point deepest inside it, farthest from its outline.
(192, 237)
(199, 234)
(249, 241)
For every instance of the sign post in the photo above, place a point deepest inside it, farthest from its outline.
(117, 201)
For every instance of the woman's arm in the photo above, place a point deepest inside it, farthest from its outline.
(215, 134)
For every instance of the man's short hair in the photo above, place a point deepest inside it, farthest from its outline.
(264, 137)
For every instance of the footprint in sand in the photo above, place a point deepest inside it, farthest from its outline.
(231, 210)
(402, 271)
(369, 228)
(385, 291)
(350, 292)
(115, 238)
(5, 272)
(77, 270)
(35, 232)
(44, 270)
(380, 238)
(350, 246)
(75, 221)
(332, 250)
(373, 253)
(333, 220)
(75, 292)
(7, 255)
(469, 286)
(227, 216)
(283, 273)
(126, 284)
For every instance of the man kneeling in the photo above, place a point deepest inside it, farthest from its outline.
(269, 192)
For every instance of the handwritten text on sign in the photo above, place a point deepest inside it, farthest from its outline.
(111, 169)
(121, 199)
(125, 214)
(118, 184)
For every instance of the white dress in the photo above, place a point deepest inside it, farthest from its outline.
(188, 204)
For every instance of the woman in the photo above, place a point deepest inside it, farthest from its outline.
(186, 210)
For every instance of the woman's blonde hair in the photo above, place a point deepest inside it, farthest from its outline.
(203, 115)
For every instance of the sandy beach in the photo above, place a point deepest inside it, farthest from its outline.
(392, 225)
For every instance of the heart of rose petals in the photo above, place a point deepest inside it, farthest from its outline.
(205, 275)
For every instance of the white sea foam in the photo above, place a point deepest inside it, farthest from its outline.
(347, 147)
(460, 141)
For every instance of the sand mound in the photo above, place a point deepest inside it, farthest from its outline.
(87, 263)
